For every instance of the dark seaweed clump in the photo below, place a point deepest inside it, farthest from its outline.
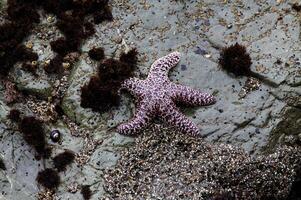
(23, 15)
(296, 7)
(86, 192)
(63, 159)
(2, 165)
(236, 60)
(30, 67)
(130, 58)
(73, 24)
(96, 53)
(48, 178)
(101, 93)
(33, 134)
(98, 97)
(21, 19)
(14, 115)
(114, 72)
(55, 65)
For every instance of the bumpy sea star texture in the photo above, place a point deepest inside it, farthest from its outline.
(157, 96)
(11, 94)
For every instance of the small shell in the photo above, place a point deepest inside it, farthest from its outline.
(55, 135)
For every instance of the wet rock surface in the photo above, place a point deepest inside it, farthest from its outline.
(255, 120)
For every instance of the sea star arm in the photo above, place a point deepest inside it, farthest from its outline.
(161, 66)
(133, 85)
(138, 122)
(172, 116)
(189, 96)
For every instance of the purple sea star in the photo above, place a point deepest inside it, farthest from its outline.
(157, 95)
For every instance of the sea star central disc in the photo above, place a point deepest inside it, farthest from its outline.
(157, 95)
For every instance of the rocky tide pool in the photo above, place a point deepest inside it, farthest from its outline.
(83, 114)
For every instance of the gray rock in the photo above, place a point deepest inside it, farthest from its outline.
(287, 130)
(29, 83)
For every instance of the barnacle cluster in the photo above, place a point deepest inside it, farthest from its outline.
(164, 164)
(101, 92)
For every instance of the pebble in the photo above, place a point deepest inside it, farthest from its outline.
(50, 19)
(183, 67)
(200, 51)
(207, 56)
(66, 65)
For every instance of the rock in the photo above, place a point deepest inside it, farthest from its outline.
(4, 183)
(289, 127)
(4, 110)
(28, 83)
